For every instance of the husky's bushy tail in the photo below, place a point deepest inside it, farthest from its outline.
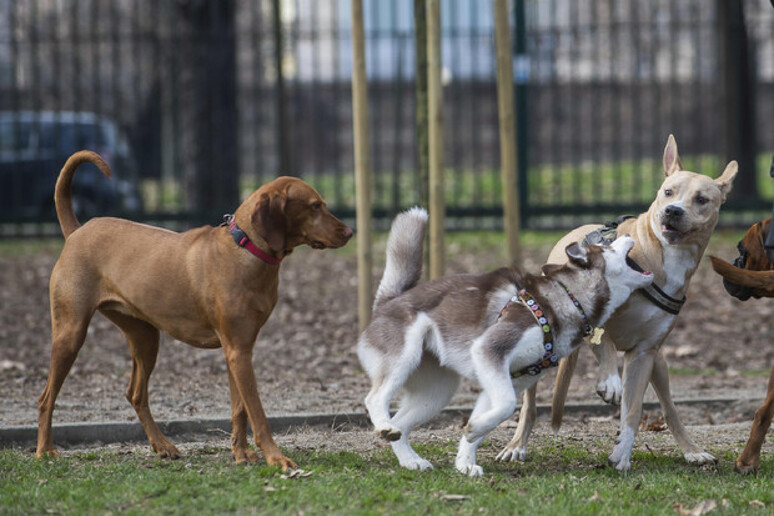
(403, 268)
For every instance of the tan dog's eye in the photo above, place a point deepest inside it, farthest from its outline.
(700, 199)
(668, 192)
(317, 206)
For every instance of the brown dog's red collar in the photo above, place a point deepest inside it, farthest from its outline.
(242, 240)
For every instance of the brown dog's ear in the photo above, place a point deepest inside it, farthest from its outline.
(577, 254)
(726, 179)
(672, 161)
(269, 220)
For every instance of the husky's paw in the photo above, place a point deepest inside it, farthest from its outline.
(516, 453)
(610, 389)
(417, 463)
(700, 458)
(620, 459)
(471, 470)
(389, 433)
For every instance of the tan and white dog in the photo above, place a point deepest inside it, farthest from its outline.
(670, 239)
(424, 337)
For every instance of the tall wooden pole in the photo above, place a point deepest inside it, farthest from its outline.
(508, 150)
(435, 138)
(362, 168)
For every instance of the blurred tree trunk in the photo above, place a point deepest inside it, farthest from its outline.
(420, 46)
(739, 82)
(208, 111)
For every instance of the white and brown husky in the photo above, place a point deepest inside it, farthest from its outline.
(500, 329)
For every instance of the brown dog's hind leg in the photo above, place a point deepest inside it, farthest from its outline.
(240, 365)
(69, 333)
(242, 453)
(749, 459)
(143, 340)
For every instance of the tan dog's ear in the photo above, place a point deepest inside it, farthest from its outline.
(269, 220)
(550, 268)
(577, 254)
(726, 179)
(672, 161)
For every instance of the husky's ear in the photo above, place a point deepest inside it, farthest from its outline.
(577, 254)
(672, 161)
(550, 268)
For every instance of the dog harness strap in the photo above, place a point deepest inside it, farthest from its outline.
(657, 296)
(550, 359)
(242, 240)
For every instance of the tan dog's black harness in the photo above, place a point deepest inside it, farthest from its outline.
(605, 235)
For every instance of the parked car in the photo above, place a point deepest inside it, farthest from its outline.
(34, 146)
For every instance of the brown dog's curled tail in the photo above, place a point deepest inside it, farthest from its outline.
(63, 194)
(743, 277)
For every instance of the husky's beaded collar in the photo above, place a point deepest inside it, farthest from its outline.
(550, 358)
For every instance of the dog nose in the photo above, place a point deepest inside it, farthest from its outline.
(347, 232)
(673, 211)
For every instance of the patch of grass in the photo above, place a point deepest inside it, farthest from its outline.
(557, 479)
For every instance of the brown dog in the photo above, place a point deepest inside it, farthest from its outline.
(752, 275)
(202, 287)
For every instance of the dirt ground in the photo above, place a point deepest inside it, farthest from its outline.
(305, 357)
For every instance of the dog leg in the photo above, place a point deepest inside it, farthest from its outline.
(466, 453)
(239, 447)
(609, 386)
(239, 362)
(660, 381)
(748, 460)
(69, 333)
(638, 366)
(517, 448)
(143, 340)
(426, 393)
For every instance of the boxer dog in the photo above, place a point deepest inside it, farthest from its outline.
(424, 337)
(670, 239)
(752, 275)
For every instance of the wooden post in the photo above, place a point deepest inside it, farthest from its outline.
(435, 138)
(507, 117)
(362, 168)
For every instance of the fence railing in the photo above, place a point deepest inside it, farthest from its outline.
(196, 103)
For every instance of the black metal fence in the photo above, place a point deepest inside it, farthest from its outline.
(196, 102)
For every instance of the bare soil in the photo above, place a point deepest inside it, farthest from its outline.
(305, 357)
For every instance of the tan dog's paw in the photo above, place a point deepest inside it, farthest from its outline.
(512, 454)
(610, 389)
(700, 458)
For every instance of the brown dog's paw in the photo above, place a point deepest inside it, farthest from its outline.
(743, 468)
(281, 461)
(246, 456)
(47, 453)
(166, 450)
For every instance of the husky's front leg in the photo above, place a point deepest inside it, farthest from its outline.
(466, 454)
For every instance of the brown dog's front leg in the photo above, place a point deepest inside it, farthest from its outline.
(241, 368)
(748, 460)
(242, 453)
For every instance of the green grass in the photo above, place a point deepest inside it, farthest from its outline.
(557, 479)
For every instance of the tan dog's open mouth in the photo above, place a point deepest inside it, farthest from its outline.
(671, 233)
